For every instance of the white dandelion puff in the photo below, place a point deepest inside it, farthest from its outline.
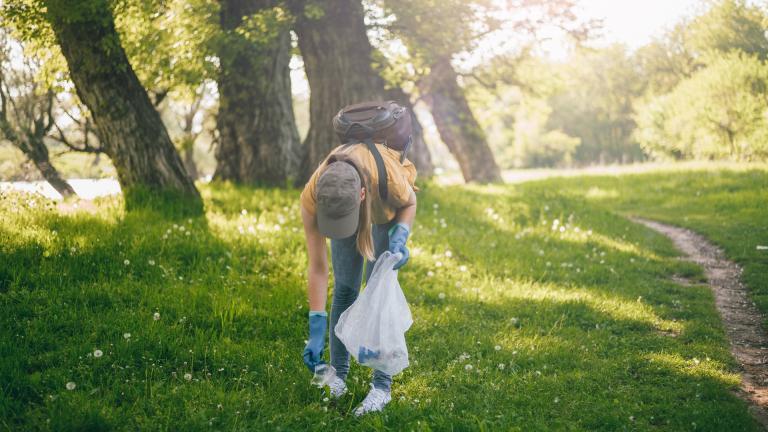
(441, 296)
(156, 316)
(188, 376)
(127, 262)
(71, 386)
(126, 335)
(97, 353)
(468, 367)
(497, 347)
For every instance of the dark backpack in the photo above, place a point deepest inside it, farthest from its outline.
(369, 122)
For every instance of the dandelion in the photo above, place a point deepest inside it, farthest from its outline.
(468, 367)
(243, 212)
(430, 273)
(514, 320)
(188, 376)
(448, 253)
(435, 205)
(127, 262)
(156, 316)
(463, 268)
(220, 406)
(325, 399)
(557, 399)
(438, 263)
(501, 366)
(71, 386)
(441, 296)
(97, 353)
(497, 347)
(126, 336)
(151, 262)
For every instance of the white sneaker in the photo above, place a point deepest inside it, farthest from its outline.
(375, 401)
(338, 387)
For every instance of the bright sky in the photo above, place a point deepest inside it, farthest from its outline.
(635, 22)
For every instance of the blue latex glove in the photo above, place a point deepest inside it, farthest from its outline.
(313, 352)
(398, 235)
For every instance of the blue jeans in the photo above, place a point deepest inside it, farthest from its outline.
(348, 271)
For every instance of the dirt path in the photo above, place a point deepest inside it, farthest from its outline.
(743, 321)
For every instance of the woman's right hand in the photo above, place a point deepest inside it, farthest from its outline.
(313, 352)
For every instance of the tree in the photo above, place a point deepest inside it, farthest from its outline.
(596, 105)
(258, 139)
(27, 114)
(433, 32)
(173, 47)
(729, 25)
(133, 135)
(719, 112)
(337, 58)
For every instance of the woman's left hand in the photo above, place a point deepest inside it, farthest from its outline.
(398, 235)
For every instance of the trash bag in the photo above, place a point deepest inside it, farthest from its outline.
(373, 327)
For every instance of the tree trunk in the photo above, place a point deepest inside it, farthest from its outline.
(133, 134)
(457, 125)
(419, 153)
(337, 60)
(36, 150)
(189, 156)
(259, 142)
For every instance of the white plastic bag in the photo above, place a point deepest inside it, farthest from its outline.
(373, 327)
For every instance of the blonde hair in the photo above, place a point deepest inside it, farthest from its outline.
(364, 235)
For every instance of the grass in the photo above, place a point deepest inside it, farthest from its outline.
(519, 324)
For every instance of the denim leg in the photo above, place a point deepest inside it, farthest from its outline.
(347, 276)
(380, 244)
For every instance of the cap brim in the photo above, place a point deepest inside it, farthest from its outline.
(338, 228)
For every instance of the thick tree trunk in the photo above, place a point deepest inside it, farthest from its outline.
(133, 134)
(259, 142)
(337, 60)
(419, 153)
(457, 125)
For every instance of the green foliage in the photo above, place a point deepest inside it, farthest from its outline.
(719, 112)
(596, 105)
(522, 326)
(727, 26)
(170, 44)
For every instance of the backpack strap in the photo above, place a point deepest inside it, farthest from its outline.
(381, 168)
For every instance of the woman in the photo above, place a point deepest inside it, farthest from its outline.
(341, 202)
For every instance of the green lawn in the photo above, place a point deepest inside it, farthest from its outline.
(536, 307)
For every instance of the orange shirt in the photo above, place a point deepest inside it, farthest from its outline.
(400, 181)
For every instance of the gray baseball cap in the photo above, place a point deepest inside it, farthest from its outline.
(338, 200)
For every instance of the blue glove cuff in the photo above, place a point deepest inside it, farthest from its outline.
(404, 226)
(318, 313)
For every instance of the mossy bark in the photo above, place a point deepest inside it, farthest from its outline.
(259, 142)
(132, 133)
(456, 124)
(338, 61)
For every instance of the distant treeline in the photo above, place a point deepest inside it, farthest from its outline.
(700, 91)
